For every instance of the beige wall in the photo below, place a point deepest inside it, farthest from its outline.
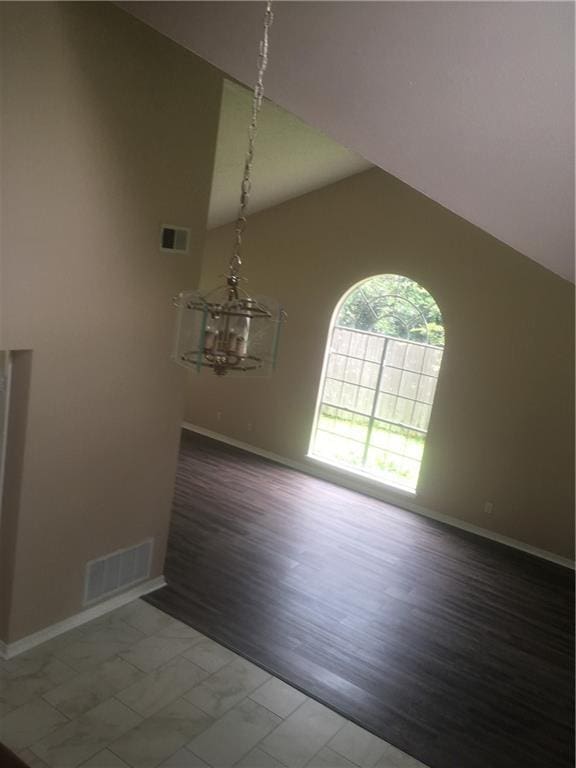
(108, 130)
(502, 424)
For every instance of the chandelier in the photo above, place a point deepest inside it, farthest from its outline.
(225, 329)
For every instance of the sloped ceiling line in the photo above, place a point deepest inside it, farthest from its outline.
(471, 103)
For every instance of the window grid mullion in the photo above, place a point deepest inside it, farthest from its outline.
(345, 437)
(375, 401)
(363, 361)
(328, 363)
(372, 418)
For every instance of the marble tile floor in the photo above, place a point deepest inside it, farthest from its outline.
(137, 689)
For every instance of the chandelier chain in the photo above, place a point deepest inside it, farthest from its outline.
(245, 189)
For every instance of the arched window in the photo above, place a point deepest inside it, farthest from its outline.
(379, 378)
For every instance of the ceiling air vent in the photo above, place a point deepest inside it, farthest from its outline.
(174, 239)
(115, 572)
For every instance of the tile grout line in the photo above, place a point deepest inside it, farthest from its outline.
(247, 697)
(119, 701)
(86, 672)
(263, 748)
(257, 744)
(109, 747)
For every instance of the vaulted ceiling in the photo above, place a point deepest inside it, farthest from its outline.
(291, 158)
(472, 103)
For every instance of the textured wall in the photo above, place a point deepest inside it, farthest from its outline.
(502, 424)
(108, 130)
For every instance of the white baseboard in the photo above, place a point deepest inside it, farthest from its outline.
(10, 650)
(398, 498)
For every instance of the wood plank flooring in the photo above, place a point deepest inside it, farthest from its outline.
(454, 649)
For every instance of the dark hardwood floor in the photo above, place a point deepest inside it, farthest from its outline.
(454, 649)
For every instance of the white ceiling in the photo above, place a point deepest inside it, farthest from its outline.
(472, 103)
(291, 158)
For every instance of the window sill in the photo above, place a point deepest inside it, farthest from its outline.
(339, 470)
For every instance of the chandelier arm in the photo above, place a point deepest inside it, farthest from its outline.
(245, 189)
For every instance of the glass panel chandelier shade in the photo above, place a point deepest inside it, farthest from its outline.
(231, 334)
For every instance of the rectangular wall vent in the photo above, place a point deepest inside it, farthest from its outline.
(113, 573)
(174, 239)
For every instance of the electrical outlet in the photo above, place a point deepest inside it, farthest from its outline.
(488, 507)
(249, 426)
(218, 415)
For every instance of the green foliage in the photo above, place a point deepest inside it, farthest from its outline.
(395, 306)
(395, 452)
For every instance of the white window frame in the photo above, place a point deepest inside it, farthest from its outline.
(371, 417)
